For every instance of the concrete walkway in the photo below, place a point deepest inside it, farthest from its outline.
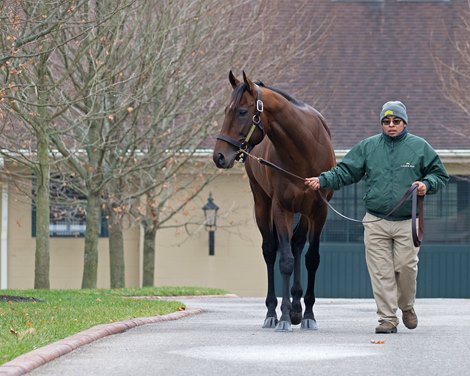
(223, 336)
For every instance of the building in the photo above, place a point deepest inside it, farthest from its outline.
(375, 51)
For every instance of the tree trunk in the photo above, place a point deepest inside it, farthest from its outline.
(116, 250)
(90, 264)
(41, 266)
(149, 255)
(41, 263)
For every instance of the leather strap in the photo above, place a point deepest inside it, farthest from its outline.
(417, 204)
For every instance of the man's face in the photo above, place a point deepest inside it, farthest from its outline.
(393, 126)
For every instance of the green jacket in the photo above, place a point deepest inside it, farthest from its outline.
(389, 166)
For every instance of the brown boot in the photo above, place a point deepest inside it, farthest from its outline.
(386, 328)
(410, 319)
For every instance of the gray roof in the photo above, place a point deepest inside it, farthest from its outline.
(378, 51)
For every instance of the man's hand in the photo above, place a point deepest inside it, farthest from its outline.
(313, 182)
(421, 188)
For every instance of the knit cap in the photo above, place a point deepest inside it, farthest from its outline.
(395, 108)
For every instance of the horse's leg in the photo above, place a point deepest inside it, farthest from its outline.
(297, 244)
(312, 261)
(269, 253)
(283, 223)
(263, 215)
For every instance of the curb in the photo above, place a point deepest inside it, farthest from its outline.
(181, 297)
(36, 358)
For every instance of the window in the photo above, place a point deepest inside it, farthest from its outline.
(67, 211)
(446, 214)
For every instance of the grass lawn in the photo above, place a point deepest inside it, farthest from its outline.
(50, 315)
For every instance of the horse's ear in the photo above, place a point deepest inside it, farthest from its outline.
(233, 80)
(249, 83)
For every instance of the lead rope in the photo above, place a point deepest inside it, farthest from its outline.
(417, 202)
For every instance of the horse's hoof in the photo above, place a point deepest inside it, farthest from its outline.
(295, 317)
(283, 326)
(270, 322)
(309, 324)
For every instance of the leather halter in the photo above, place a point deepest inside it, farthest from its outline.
(243, 144)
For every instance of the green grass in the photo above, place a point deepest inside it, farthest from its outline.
(25, 326)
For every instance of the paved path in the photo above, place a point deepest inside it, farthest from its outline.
(227, 339)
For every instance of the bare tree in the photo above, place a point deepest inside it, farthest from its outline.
(202, 40)
(134, 88)
(454, 70)
(107, 73)
(41, 90)
(27, 43)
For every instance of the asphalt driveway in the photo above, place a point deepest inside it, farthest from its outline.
(224, 337)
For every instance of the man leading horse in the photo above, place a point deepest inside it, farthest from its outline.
(389, 162)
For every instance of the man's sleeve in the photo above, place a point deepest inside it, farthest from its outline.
(350, 170)
(436, 176)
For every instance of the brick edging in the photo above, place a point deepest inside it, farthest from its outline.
(36, 358)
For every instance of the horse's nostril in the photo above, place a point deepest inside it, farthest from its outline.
(220, 160)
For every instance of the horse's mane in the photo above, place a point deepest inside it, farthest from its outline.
(242, 87)
(294, 101)
(289, 97)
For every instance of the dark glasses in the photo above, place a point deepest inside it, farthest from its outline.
(395, 121)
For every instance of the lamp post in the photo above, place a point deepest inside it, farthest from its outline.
(210, 215)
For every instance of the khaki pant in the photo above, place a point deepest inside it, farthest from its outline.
(392, 261)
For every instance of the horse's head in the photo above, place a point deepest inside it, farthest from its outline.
(242, 128)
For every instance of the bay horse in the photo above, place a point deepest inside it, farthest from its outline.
(270, 124)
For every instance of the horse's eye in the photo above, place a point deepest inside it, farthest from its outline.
(242, 112)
